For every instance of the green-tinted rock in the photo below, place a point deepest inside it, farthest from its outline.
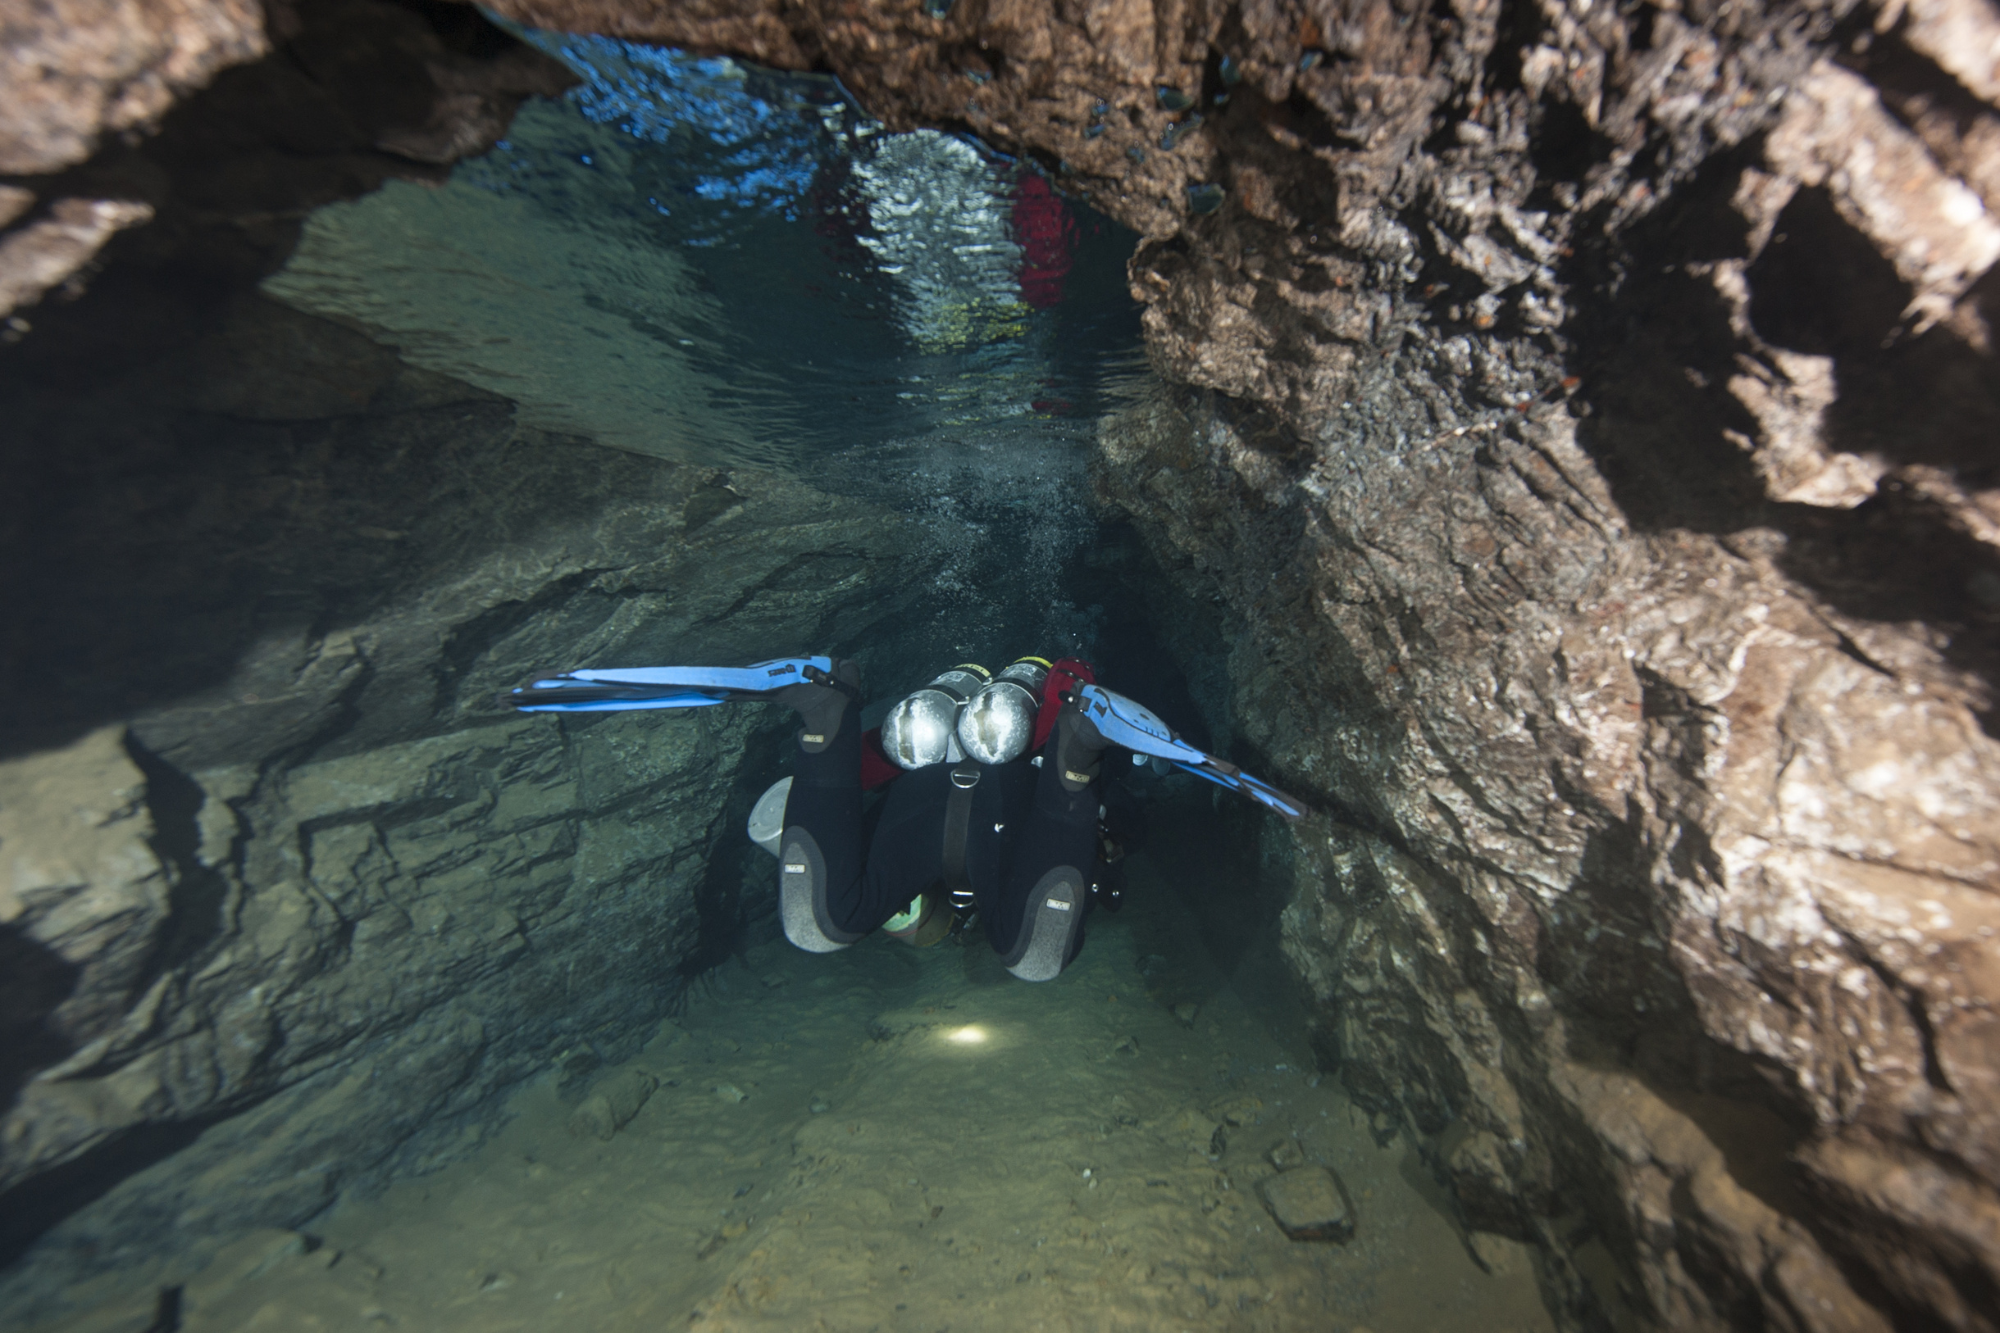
(1309, 1203)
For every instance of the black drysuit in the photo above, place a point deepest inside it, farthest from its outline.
(1023, 829)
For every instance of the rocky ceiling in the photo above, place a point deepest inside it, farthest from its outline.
(1587, 413)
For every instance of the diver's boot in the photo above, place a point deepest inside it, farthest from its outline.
(802, 895)
(1052, 930)
(1079, 748)
(1052, 934)
(821, 704)
(825, 795)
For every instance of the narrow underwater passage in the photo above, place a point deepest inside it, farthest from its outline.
(485, 1021)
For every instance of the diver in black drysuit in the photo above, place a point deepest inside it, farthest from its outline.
(1030, 836)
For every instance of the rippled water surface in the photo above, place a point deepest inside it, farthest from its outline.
(692, 259)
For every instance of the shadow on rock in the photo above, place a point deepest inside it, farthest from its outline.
(1772, 377)
(34, 981)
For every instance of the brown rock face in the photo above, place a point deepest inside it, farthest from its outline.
(79, 69)
(360, 91)
(1586, 417)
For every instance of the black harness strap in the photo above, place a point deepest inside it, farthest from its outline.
(957, 822)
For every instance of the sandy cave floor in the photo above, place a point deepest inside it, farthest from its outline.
(920, 1143)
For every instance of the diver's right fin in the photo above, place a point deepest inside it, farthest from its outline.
(1128, 723)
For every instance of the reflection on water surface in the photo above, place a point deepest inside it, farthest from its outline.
(694, 260)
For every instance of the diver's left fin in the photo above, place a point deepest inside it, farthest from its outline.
(624, 689)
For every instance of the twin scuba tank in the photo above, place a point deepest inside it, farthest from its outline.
(964, 713)
(967, 713)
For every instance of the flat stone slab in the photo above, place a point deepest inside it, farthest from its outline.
(1309, 1203)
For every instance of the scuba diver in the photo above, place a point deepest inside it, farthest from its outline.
(996, 790)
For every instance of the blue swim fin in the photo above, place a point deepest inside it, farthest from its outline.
(1124, 722)
(624, 689)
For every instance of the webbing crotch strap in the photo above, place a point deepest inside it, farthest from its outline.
(957, 823)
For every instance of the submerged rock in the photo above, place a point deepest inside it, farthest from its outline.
(575, 1067)
(1308, 1203)
(613, 1104)
(1245, 1109)
(1286, 1154)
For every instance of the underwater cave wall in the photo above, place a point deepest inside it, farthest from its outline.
(290, 900)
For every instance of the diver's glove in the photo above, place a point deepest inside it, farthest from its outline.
(821, 702)
(1079, 748)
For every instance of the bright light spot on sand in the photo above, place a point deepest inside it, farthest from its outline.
(968, 1036)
